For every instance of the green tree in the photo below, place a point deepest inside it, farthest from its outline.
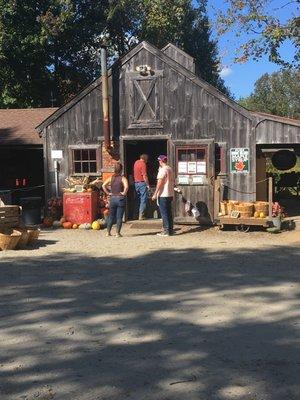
(49, 49)
(265, 28)
(277, 93)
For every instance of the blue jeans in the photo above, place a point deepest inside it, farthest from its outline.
(116, 212)
(142, 196)
(165, 207)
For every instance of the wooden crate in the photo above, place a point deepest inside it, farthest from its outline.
(9, 216)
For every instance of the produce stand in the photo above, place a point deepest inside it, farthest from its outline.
(243, 224)
(243, 215)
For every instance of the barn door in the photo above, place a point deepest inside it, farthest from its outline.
(194, 172)
(145, 100)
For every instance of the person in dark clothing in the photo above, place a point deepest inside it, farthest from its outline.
(116, 187)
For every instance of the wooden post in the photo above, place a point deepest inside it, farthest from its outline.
(270, 196)
(217, 198)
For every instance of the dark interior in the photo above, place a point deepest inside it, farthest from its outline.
(21, 168)
(133, 150)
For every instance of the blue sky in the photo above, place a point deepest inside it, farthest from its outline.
(240, 78)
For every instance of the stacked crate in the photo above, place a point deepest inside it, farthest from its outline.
(9, 217)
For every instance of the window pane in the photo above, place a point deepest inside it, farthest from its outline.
(182, 155)
(85, 167)
(85, 154)
(77, 155)
(201, 154)
(77, 167)
(93, 167)
(92, 155)
(192, 155)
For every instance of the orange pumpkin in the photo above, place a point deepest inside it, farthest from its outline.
(89, 190)
(75, 226)
(48, 222)
(67, 225)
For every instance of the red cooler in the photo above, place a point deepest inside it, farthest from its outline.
(81, 208)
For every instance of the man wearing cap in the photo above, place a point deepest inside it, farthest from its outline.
(164, 194)
(141, 183)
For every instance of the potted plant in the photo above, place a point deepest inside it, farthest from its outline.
(277, 215)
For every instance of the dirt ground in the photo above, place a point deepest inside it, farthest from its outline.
(203, 315)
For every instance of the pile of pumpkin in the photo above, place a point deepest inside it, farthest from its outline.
(48, 222)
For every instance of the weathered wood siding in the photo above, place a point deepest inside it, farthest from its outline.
(275, 132)
(191, 113)
(180, 57)
(80, 124)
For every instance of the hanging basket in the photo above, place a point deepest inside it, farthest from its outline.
(9, 239)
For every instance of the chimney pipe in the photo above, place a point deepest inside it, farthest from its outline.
(105, 100)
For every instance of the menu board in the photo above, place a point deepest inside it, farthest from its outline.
(201, 167)
(182, 167)
(183, 179)
(192, 167)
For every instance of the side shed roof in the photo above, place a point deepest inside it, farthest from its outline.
(17, 126)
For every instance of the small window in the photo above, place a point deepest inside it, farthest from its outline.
(85, 160)
(191, 161)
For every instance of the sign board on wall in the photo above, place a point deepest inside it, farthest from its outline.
(57, 154)
(240, 160)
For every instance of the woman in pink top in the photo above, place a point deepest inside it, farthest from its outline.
(164, 193)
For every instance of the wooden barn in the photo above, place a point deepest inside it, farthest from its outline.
(157, 105)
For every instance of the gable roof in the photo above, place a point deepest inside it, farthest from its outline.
(178, 49)
(276, 118)
(17, 126)
(166, 59)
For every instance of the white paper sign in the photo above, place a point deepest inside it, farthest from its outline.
(192, 169)
(198, 179)
(183, 179)
(57, 154)
(201, 167)
(182, 167)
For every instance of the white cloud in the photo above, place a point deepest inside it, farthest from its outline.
(225, 71)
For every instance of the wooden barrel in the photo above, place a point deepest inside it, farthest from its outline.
(231, 205)
(223, 207)
(247, 209)
(245, 214)
(262, 207)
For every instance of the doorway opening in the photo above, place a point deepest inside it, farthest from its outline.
(132, 151)
(273, 161)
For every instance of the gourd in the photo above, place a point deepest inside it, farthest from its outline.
(85, 226)
(262, 215)
(256, 214)
(67, 225)
(96, 226)
(75, 226)
(56, 224)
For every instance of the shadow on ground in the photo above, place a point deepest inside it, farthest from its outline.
(169, 325)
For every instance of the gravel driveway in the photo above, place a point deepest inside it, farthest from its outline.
(203, 315)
